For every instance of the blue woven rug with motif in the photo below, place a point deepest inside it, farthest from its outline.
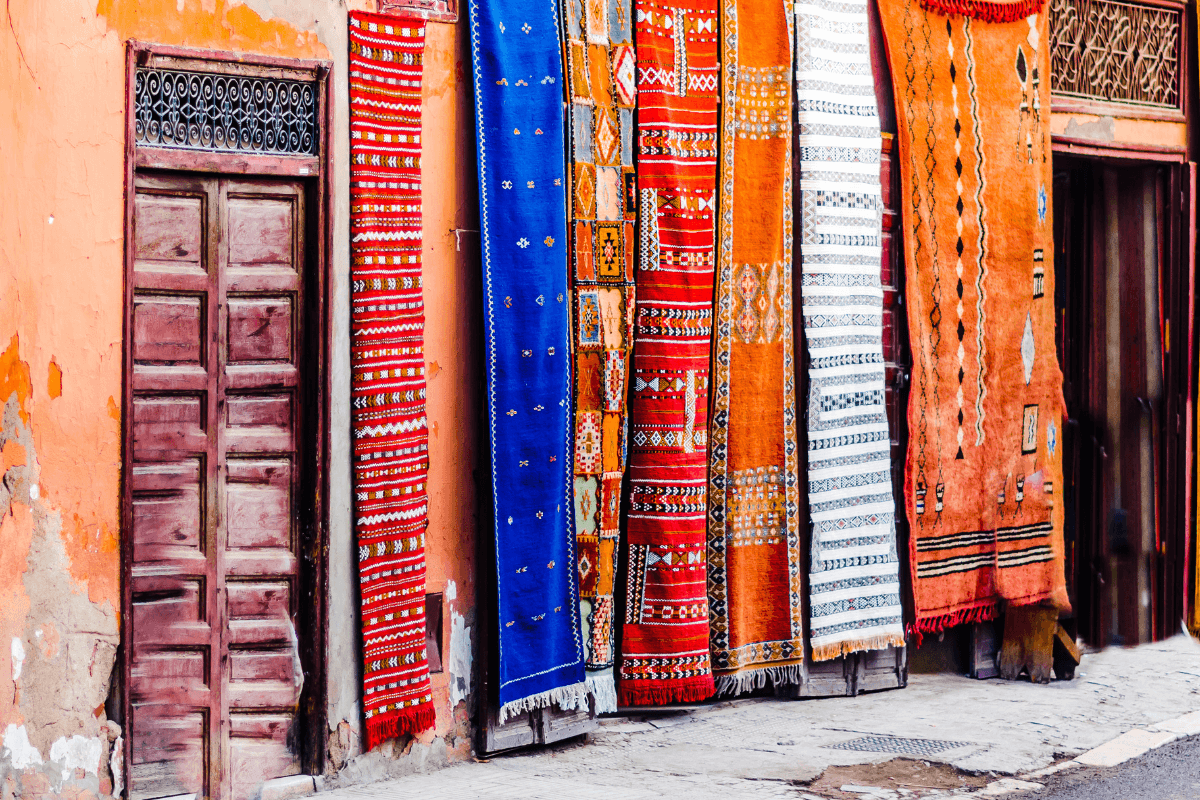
(519, 118)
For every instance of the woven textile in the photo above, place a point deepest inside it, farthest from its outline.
(854, 572)
(664, 652)
(391, 440)
(519, 114)
(986, 409)
(754, 577)
(601, 78)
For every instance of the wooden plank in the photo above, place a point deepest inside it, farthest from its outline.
(985, 645)
(1028, 642)
(167, 158)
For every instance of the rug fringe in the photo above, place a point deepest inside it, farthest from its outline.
(412, 720)
(564, 697)
(828, 652)
(604, 689)
(601, 686)
(665, 693)
(987, 10)
(962, 616)
(759, 678)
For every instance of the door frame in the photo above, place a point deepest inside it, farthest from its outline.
(315, 171)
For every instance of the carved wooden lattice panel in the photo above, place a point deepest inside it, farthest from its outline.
(1110, 52)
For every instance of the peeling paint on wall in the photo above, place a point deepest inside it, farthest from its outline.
(460, 665)
(18, 659)
(78, 752)
(17, 749)
(63, 653)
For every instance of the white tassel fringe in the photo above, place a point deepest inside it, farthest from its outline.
(564, 696)
(600, 685)
(742, 682)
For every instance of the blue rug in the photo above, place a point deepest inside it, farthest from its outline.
(522, 190)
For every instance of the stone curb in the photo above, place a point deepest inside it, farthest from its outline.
(1129, 745)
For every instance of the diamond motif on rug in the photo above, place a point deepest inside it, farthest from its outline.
(607, 141)
(624, 67)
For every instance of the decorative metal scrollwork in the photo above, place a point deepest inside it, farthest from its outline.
(1115, 52)
(225, 113)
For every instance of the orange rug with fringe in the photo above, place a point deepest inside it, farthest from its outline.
(984, 471)
(755, 589)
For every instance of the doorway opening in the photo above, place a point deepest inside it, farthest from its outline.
(225, 424)
(1123, 290)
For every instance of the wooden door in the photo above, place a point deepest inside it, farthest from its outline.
(214, 471)
(1177, 295)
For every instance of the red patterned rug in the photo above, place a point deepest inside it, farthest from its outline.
(391, 441)
(664, 650)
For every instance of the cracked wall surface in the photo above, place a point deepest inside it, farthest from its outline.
(62, 128)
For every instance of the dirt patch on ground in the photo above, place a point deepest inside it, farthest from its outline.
(906, 776)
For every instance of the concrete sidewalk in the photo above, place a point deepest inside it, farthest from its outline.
(766, 748)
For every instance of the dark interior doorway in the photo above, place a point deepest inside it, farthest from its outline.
(1123, 285)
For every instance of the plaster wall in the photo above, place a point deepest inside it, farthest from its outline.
(1105, 130)
(62, 95)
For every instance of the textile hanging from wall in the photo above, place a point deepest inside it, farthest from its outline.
(754, 578)
(854, 572)
(986, 407)
(519, 116)
(602, 92)
(664, 652)
(391, 440)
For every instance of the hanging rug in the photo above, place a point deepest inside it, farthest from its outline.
(526, 299)
(600, 71)
(854, 569)
(755, 584)
(664, 650)
(387, 385)
(984, 469)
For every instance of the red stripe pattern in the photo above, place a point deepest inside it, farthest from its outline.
(664, 650)
(391, 439)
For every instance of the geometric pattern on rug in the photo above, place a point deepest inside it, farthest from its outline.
(984, 465)
(664, 650)
(854, 572)
(755, 574)
(387, 387)
(600, 69)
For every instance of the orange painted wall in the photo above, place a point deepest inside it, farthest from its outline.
(453, 317)
(62, 101)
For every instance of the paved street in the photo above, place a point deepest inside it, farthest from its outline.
(944, 734)
(1171, 772)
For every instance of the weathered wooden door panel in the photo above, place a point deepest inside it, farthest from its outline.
(218, 296)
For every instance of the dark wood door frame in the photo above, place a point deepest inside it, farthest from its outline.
(315, 171)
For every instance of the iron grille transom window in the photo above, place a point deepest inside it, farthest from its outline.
(225, 113)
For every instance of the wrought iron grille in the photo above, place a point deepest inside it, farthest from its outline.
(1115, 52)
(227, 113)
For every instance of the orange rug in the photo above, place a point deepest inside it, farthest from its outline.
(984, 470)
(756, 632)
